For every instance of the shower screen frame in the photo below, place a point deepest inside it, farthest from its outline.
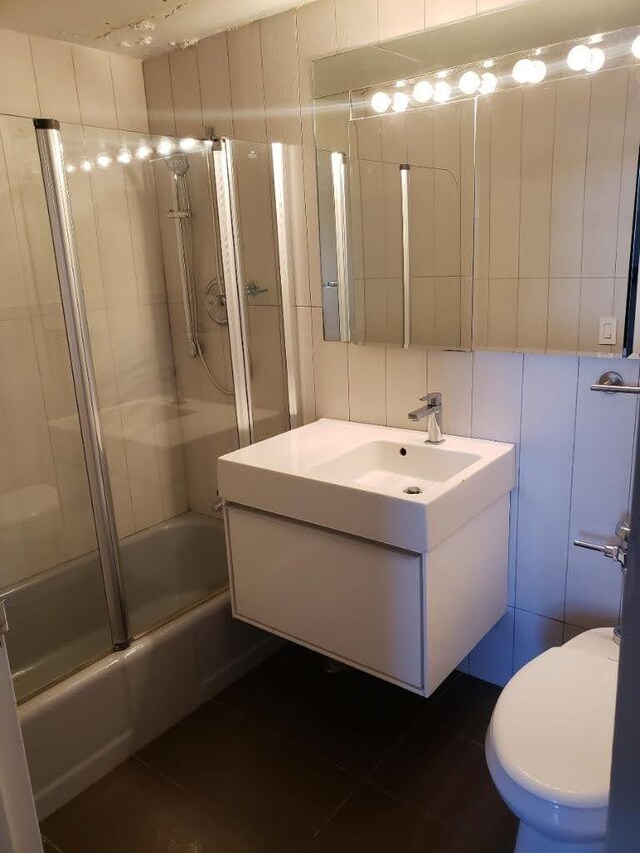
(84, 380)
(223, 191)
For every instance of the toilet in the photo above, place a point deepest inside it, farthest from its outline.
(549, 745)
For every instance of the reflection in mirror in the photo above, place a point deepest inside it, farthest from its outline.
(259, 281)
(409, 276)
(515, 229)
(556, 170)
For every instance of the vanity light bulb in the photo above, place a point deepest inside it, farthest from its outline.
(441, 92)
(124, 156)
(399, 102)
(579, 57)
(469, 82)
(86, 165)
(70, 168)
(596, 60)
(635, 47)
(422, 92)
(523, 71)
(489, 83)
(380, 102)
(538, 71)
(188, 144)
(143, 151)
(165, 147)
(103, 160)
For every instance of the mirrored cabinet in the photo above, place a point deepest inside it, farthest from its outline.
(480, 192)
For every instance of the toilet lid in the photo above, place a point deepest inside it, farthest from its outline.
(552, 728)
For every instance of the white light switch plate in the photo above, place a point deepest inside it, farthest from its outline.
(608, 331)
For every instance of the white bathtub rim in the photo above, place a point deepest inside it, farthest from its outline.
(116, 746)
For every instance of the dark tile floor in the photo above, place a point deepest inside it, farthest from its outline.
(291, 758)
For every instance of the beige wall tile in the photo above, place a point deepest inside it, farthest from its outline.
(604, 164)
(393, 134)
(297, 223)
(268, 391)
(95, 87)
(480, 313)
(305, 353)
(18, 93)
(316, 29)
(215, 84)
(424, 310)
(278, 39)
(443, 11)
(128, 86)
(331, 374)
(483, 189)
(419, 125)
(356, 23)
(502, 322)
(533, 299)
(157, 84)
(448, 312)
(406, 382)
(114, 235)
(399, 17)
(369, 138)
(538, 115)
(185, 87)
(564, 312)
(367, 394)
(569, 165)
(55, 79)
(506, 126)
(490, 5)
(629, 173)
(247, 87)
(422, 223)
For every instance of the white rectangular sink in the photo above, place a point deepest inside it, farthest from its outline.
(392, 467)
(354, 478)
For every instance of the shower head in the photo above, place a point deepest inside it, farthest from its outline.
(178, 164)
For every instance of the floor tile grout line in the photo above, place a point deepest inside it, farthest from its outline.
(51, 843)
(201, 804)
(278, 734)
(306, 844)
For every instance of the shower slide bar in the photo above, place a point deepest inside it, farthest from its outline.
(75, 318)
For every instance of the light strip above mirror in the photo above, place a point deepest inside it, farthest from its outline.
(582, 57)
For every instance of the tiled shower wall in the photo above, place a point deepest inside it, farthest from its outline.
(574, 445)
(100, 96)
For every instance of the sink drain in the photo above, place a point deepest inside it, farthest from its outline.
(412, 490)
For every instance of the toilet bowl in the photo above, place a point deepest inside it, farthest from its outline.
(549, 745)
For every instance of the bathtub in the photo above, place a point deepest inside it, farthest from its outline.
(81, 727)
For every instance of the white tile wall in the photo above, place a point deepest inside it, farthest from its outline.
(574, 474)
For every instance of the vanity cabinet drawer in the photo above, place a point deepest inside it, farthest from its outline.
(345, 597)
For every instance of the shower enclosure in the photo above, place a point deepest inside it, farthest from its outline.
(146, 328)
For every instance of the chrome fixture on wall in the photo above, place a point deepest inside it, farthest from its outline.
(182, 213)
(613, 551)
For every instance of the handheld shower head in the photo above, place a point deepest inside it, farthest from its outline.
(178, 164)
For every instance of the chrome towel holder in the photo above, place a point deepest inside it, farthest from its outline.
(612, 383)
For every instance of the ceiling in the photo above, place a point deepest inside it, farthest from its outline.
(134, 27)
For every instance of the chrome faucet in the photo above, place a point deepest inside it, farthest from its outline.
(433, 412)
